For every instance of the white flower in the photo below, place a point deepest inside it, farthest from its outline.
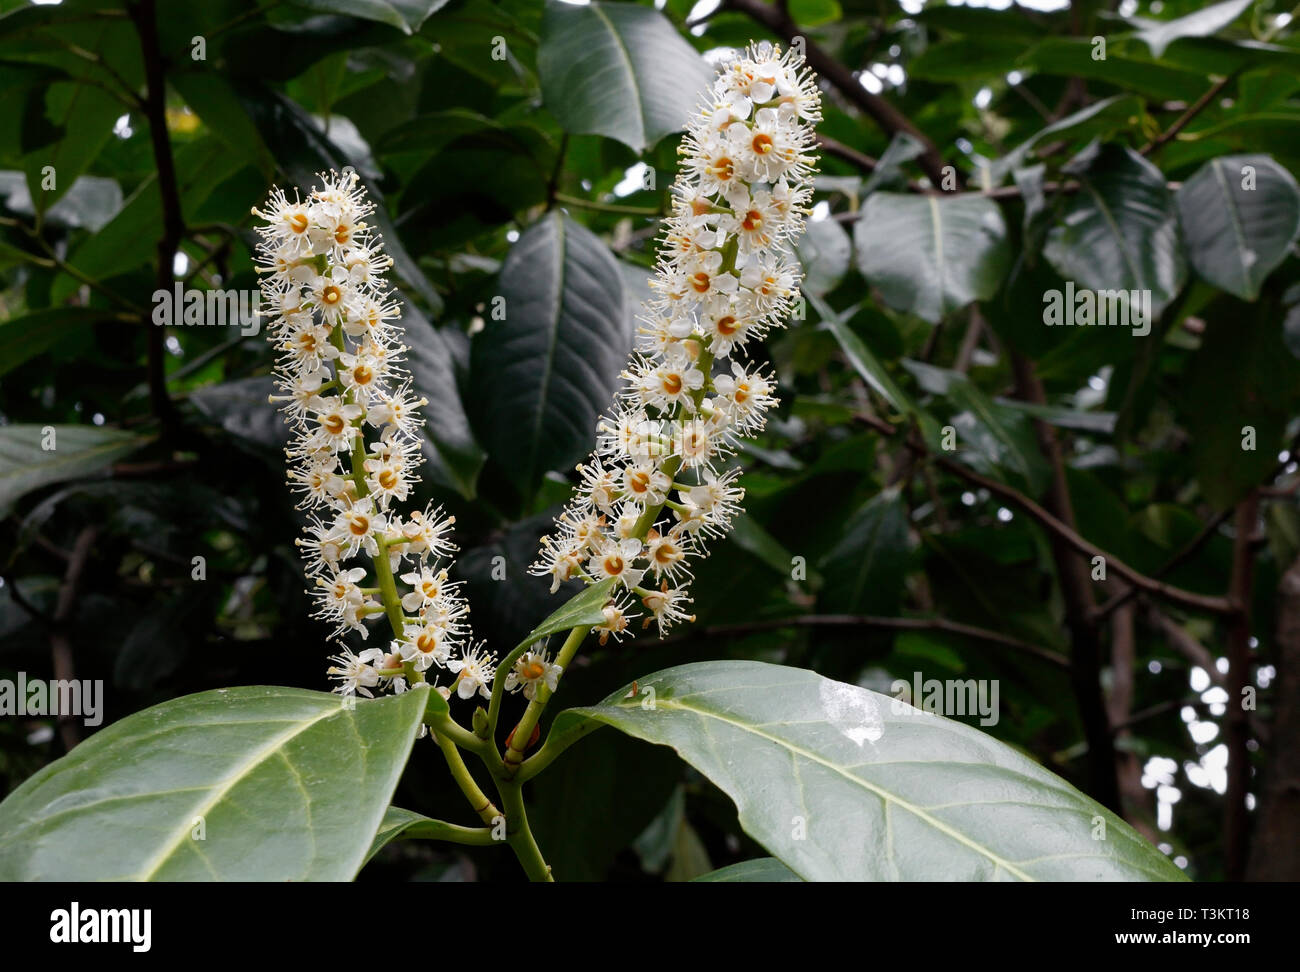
(475, 671)
(355, 673)
(533, 668)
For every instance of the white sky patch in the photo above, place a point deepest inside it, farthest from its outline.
(983, 98)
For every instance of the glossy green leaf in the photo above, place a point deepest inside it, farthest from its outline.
(23, 338)
(582, 610)
(764, 870)
(255, 784)
(824, 252)
(77, 451)
(841, 783)
(1120, 230)
(406, 15)
(399, 824)
(619, 70)
(448, 443)
(1240, 215)
(931, 255)
(540, 377)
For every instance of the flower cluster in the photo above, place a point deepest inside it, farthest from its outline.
(656, 488)
(356, 443)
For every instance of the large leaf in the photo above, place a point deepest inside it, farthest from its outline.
(281, 784)
(930, 255)
(864, 571)
(540, 377)
(619, 70)
(1120, 231)
(23, 338)
(78, 451)
(454, 457)
(1239, 225)
(764, 870)
(841, 783)
(995, 438)
(1159, 34)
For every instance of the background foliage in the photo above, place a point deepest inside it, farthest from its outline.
(509, 143)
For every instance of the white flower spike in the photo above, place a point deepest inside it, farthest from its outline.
(356, 442)
(654, 489)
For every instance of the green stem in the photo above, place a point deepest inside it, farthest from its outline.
(485, 808)
(605, 207)
(520, 835)
(441, 830)
(524, 731)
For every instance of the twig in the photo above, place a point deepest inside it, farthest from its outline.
(1159, 142)
(144, 15)
(869, 621)
(1236, 816)
(60, 645)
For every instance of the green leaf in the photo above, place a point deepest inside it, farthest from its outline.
(78, 451)
(864, 572)
(1159, 34)
(454, 456)
(85, 114)
(130, 239)
(824, 252)
(875, 789)
(764, 870)
(618, 70)
(301, 149)
(994, 438)
(1101, 119)
(23, 338)
(286, 784)
(379, 11)
(1120, 231)
(866, 364)
(540, 378)
(580, 611)
(931, 255)
(1237, 235)
(399, 824)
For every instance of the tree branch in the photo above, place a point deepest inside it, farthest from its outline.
(869, 621)
(1236, 816)
(144, 15)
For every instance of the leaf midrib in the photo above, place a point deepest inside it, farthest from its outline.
(885, 795)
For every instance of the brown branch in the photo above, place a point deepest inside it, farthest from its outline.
(1275, 855)
(869, 621)
(60, 645)
(1159, 142)
(1236, 816)
(1189, 599)
(848, 154)
(890, 119)
(144, 15)
(1077, 591)
(1134, 797)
